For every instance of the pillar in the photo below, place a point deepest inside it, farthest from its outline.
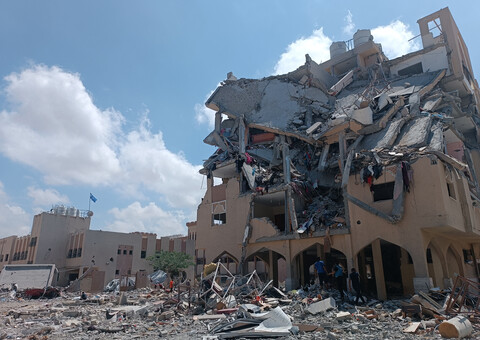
(379, 275)
(289, 281)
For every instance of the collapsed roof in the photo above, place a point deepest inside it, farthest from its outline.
(370, 114)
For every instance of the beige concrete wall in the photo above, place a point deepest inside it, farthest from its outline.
(227, 237)
(102, 246)
(7, 245)
(426, 206)
(53, 235)
(432, 61)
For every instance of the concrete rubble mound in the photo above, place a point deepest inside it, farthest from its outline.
(249, 309)
(283, 134)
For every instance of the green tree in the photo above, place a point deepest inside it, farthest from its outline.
(170, 262)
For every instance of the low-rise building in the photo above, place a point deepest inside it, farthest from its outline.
(62, 236)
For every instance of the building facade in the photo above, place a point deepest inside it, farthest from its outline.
(62, 236)
(361, 160)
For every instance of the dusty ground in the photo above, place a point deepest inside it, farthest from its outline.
(150, 315)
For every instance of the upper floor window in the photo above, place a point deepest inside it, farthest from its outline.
(219, 218)
(382, 192)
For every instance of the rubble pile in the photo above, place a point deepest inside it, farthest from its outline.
(248, 309)
(307, 132)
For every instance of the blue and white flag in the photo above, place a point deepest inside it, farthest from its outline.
(93, 198)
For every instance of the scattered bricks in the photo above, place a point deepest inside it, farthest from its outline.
(370, 314)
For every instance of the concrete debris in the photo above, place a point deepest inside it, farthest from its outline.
(152, 312)
(291, 138)
(321, 306)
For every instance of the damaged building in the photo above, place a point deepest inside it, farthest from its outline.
(362, 160)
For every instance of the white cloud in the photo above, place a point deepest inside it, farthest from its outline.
(148, 164)
(47, 197)
(317, 45)
(150, 218)
(394, 39)
(349, 24)
(54, 127)
(203, 114)
(13, 219)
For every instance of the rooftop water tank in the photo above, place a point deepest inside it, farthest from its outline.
(361, 37)
(72, 211)
(60, 210)
(337, 48)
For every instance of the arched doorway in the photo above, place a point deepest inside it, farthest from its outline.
(435, 265)
(454, 264)
(268, 264)
(386, 270)
(229, 261)
(305, 259)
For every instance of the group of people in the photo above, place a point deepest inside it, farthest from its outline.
(339, 278)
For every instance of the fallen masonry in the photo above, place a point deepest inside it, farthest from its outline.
(309, 313)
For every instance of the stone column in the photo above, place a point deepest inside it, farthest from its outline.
(379, 275)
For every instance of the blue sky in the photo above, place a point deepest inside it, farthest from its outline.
(107, 96)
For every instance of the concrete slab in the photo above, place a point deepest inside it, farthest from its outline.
(384, 138)
(29, 275)
(321, 306)
(415, 133)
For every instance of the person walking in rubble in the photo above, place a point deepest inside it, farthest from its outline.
(354, 281)
(321, 272)
(339, 279)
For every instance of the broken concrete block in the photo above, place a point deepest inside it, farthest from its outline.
(383, 101)
(122, 299)
(321, 306)
(363, 116)
(340, 316)
(314, 127)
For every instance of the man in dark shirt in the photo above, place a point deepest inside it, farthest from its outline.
(354, 280)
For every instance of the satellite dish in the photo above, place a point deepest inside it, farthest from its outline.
(90, 213)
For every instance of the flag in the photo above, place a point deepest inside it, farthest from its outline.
(93, 198)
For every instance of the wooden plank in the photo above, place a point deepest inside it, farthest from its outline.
(412, 328)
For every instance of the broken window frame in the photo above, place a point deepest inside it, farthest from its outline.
(435, 27)
(219, 219)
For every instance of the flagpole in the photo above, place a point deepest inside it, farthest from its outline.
(89, 203)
